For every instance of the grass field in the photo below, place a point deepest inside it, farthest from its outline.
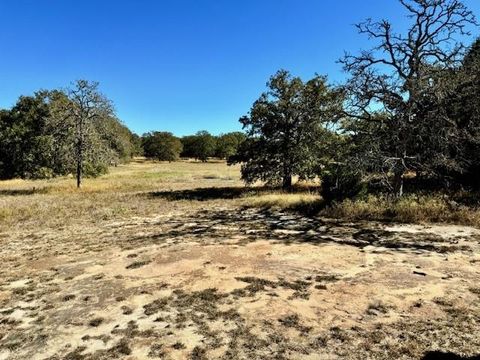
(180, 260)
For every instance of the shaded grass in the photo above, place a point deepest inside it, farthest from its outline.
(143, 188)
(414, 208)
(409, 209)
(308, 202)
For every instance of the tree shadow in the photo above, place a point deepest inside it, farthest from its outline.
(249, 225)
(439, 355)
(21, 192)
(204, 194)
(218, 193)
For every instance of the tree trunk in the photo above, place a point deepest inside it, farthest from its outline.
(79, 174)
(79, 168)
(80, 155)
(398, 183)
(287, 181)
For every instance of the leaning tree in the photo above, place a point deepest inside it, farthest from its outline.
(394, 87)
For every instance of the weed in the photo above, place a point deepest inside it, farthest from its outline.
(178, 345)
(138, 264)
(96, 322)
(155, 306)
(68, 297)
(156, 351)
(198, 353)
(126, 310)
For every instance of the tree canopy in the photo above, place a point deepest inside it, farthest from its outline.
(40, 138)
(163, 146)
(397, 89)
(285, 129)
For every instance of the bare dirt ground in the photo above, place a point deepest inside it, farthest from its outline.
(177, 274)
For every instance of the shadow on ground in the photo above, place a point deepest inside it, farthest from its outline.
(218, 193)
(22, 192)
(438, 355)
(204, 194)
(249, 225)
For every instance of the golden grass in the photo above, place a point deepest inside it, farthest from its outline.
(284, 201)
(409, 209)
(121, 193)
(136, 176)
(126, 190)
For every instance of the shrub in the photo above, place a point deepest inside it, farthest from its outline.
(339, 183)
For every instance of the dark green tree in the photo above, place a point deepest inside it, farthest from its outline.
(228, 144)
(116, 137)
(463, 110)
(137, 147)
(39, 137)
(400, 79)
(163, 146)
(24, 142)
(286, 128)
(200, 146)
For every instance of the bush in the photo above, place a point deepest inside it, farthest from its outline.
(340, 183)
(94, 169)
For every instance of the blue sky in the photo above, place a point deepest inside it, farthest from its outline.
(178, 65)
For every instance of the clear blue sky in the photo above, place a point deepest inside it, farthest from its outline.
(178, 65)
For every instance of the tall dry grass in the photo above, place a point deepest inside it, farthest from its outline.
(121, 193)
(408, 209)
(126, 192)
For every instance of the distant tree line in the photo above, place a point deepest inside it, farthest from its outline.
(60, 132)
(409, 110)
(165, 146)
(75, 131)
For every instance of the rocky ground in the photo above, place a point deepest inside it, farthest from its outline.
(234, 283)
(158, 260)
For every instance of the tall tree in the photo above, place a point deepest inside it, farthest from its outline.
(163, 146)
(395, 78)
(87, 106)
(200, 146)
(24, 141)
(462, 102)
(228, 144)
(284, 129)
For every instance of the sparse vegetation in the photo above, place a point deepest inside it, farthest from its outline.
(214, 257)
(408, 209)
(344, 222)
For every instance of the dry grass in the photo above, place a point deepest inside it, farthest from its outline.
(164, 260)
(285, 201)
(410, 209)
(119, 194)
(122, 194)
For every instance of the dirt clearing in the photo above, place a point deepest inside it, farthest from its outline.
(174, 277)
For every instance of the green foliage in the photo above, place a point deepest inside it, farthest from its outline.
(38, 137)
(340, 182)
(200, 146)
(463, 108)
(137, 147)
(228, 144)
(117, 137)
(287, 128)
(25, 143)
(163, 146)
